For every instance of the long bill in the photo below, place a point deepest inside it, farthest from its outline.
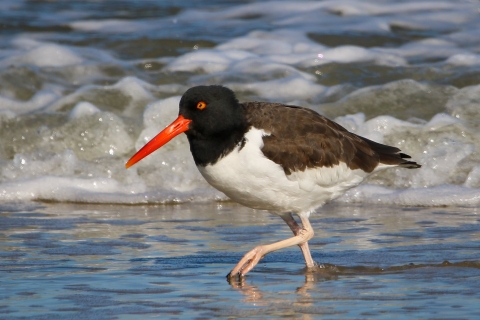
(175, 128)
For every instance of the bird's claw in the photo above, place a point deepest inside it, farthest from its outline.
(231, 276)
(237, 275)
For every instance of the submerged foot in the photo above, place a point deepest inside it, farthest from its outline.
(249, 260)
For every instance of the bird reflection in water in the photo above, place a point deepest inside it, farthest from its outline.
(255, 295)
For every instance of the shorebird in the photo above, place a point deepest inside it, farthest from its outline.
(270, 156)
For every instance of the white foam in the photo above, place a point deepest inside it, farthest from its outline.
(473, 178)
(207, 60)
(350, 54)
(274, 9)
(442, 195)
(46, 55)
(273, 43)
(384, 125)
(464, 59)
(444, 147)
(403, 99)
(83, 108)
(107, 25)
(40, 100)
(440, 120)
(161, 113)
(286, 89)
(351, 122)
(88, 129)
(97, 190)
(426, 49)
(135, 93)
(464, 105)
(363, 8)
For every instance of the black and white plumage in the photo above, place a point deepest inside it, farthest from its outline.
(275, 157)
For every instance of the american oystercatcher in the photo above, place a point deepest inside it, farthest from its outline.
(270, 156)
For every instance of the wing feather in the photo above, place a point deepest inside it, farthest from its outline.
(300, 138)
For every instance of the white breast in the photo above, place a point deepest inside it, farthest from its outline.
(249, 178)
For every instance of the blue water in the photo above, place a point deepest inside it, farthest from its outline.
(114, 262)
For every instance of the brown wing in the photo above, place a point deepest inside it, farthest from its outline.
(300, 138)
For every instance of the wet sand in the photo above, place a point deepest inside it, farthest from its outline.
(122, 262)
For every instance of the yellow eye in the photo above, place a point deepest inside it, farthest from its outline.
(201, 105)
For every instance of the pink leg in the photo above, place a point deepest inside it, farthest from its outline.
(303, 246)
(302, 235)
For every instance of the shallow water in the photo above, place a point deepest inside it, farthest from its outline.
(117, 262)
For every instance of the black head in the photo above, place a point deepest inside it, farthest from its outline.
(217, 125)
(213, 120)
(214, 110)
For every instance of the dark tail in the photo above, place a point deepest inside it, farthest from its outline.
(391, 155)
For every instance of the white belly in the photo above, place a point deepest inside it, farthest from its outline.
(249, 178)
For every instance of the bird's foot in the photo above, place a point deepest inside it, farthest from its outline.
(249, 260)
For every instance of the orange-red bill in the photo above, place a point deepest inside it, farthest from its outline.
(175, 128)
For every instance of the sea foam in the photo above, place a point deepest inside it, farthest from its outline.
(74, 106)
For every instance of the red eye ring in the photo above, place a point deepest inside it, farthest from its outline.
(201, 105)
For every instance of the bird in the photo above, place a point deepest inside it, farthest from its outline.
(288, 160)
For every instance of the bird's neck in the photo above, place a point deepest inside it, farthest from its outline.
(207, 151)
